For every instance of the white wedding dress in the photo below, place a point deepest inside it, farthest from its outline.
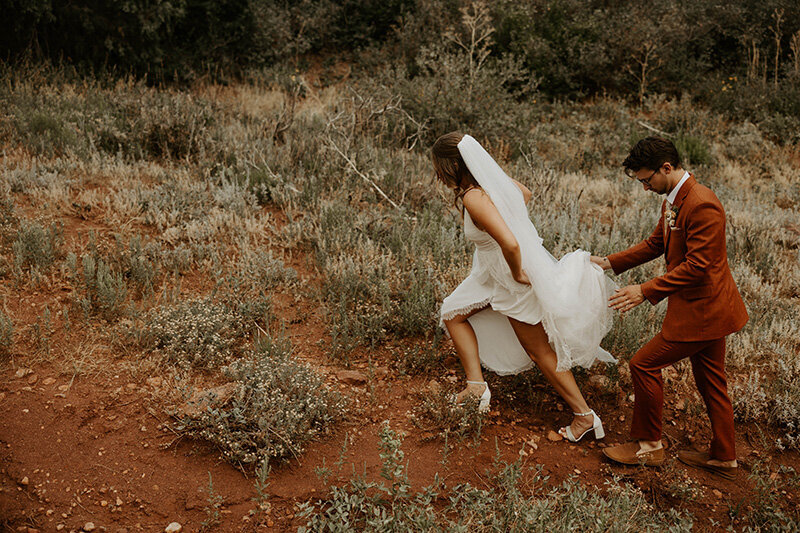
(568, 296)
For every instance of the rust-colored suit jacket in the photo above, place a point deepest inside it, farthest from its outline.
(704, 303)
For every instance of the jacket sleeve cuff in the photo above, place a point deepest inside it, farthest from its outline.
(649, 292)
(616, 268)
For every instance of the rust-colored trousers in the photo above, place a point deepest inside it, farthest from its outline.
(708, 367)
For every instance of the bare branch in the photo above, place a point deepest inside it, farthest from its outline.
(361, 174)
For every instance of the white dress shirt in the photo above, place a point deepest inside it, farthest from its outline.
(674, 192)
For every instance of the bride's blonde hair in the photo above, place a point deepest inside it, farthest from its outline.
(449, 166)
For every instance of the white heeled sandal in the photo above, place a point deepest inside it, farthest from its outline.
(483, 399)
(597, 427)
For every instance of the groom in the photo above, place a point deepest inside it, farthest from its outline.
(704, 306)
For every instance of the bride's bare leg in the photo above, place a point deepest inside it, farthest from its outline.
(536, 343)
(466, 344)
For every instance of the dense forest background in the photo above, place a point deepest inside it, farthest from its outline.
(740, 58)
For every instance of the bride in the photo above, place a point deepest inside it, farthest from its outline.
(519, 305)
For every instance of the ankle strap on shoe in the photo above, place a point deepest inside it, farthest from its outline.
(591, 412)
(477, 382)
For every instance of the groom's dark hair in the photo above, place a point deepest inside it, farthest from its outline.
(651, 153)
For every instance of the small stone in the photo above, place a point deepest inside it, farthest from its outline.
(118, 502)
(202, 400)
(554, 437)
(450, 361)
(63, 388)
(174, 527)
(22, 372)
(103, 503)
(48, 381)
(32, 379)
(59, 527)
(351, 377)
(599, 381)
(24, 481)
(88, 526)
(717, 493)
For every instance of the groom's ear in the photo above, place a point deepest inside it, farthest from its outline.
(667, 167)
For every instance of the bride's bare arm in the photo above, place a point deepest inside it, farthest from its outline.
(526, 193)
(486, 217)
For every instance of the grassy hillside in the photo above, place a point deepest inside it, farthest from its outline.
(181, 191)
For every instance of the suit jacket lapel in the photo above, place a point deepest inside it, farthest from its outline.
(685, 188)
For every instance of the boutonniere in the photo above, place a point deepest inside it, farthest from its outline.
(670, 214)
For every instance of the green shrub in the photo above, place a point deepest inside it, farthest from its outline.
(46, 132)
(693, 150)
(456, 79)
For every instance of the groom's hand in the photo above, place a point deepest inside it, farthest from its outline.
(626, 298)
(602, 262)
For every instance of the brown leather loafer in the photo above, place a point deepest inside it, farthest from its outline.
(700, 460)
(626, 454)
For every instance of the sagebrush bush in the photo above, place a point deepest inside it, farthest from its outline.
(256, 271)
(138, 262)
(750, 400)
(105, 291)
(195, 333)
(786, 409)
(36, 246)
(6, 333)
(279, 407)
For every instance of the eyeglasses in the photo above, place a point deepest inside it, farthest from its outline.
(631, 174)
